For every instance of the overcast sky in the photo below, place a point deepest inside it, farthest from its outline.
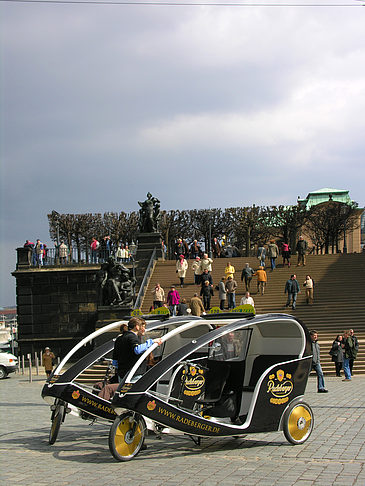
(204, 106)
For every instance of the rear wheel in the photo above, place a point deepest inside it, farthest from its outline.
(57, 419)
(298, 423)
(126, 436)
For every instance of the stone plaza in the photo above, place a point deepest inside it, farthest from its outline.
(333, 455)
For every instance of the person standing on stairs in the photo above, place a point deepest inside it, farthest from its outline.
(292, 289)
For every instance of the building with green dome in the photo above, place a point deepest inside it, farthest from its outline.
(355, 240)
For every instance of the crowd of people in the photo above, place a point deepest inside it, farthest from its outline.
(99, 252)
(343, 352)
(192, 256)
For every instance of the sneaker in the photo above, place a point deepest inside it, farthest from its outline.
(322, 390)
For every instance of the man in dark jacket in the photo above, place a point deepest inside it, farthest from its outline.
(356, 349)
(206, 276)
(247, 274)
(206, 292)
(128, 347)
(301, 248)
(316, 364)
(292, 289)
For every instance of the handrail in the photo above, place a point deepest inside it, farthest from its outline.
(146, 277)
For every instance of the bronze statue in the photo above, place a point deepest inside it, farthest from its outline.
(114, 284)
(149, 214)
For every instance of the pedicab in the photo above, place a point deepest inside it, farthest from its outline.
(66, 392)
(247, 375)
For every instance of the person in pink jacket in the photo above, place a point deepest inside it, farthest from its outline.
(173, 299)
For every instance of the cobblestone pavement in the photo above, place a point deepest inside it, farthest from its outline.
(333, 455)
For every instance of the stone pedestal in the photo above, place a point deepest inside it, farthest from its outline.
(24, 256)
(147, 242)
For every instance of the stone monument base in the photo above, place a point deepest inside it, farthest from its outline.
(147, 242)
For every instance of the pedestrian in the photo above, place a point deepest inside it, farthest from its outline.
(206, 276)
(231, 286)
(179, 248)
(261, 255)
(316, 362)
(273, 253)
(206, 263)
(247, 300)
(261, 280)
(47, 360)
(309, 289)
(173, 299)
(229, 270)
(183, 309)
(158, 296)
(292, 289)
(222, 293)
(181, 268)
(286, 253)
(120, 252)
(336, 353)
(216, 248)
(94, 246)
(196, 306)
(349, 353)
(207, 293)
(247, 274)
(196, 266)
(301, 248)
(195, 250)
(39, 250)
(356, 344)
(128, 347)
(62, 252)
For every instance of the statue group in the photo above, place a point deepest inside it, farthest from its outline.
(115, 285)
(149, 214)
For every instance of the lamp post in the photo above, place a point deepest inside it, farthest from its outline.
(133, 248)
(210, 254)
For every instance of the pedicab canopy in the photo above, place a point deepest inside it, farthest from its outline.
(240, 377)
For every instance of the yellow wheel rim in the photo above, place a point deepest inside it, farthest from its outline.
(299, 423)
(125, 443)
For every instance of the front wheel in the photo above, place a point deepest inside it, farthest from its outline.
(126, 436)
(57, 419)
(298, 423)
(3, 373)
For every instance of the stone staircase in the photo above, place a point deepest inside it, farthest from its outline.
(339, 295)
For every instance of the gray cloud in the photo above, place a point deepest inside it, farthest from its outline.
(202, 106)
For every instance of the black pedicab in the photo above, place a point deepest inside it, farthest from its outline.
(65, 390)
(248, 375)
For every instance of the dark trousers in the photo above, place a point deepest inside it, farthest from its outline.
(206, 302)
(221, 304)
(338, 368)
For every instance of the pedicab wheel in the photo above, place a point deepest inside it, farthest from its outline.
(126, 436)
(298, 423)
(56, 418)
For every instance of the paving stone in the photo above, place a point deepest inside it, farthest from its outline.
(333, 455)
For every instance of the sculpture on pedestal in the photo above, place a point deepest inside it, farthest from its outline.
(114, 284)
(149, 214)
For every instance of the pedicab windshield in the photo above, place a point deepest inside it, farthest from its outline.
(230, 347)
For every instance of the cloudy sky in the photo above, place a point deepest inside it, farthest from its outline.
(204, 106)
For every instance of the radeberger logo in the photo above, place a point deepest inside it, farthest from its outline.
(151, 405)
(75, 394)
(193, 381)
(280, 386)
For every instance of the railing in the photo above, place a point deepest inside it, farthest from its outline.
(73, 257)
(145, 280)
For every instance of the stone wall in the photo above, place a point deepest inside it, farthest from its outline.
(56, 307)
